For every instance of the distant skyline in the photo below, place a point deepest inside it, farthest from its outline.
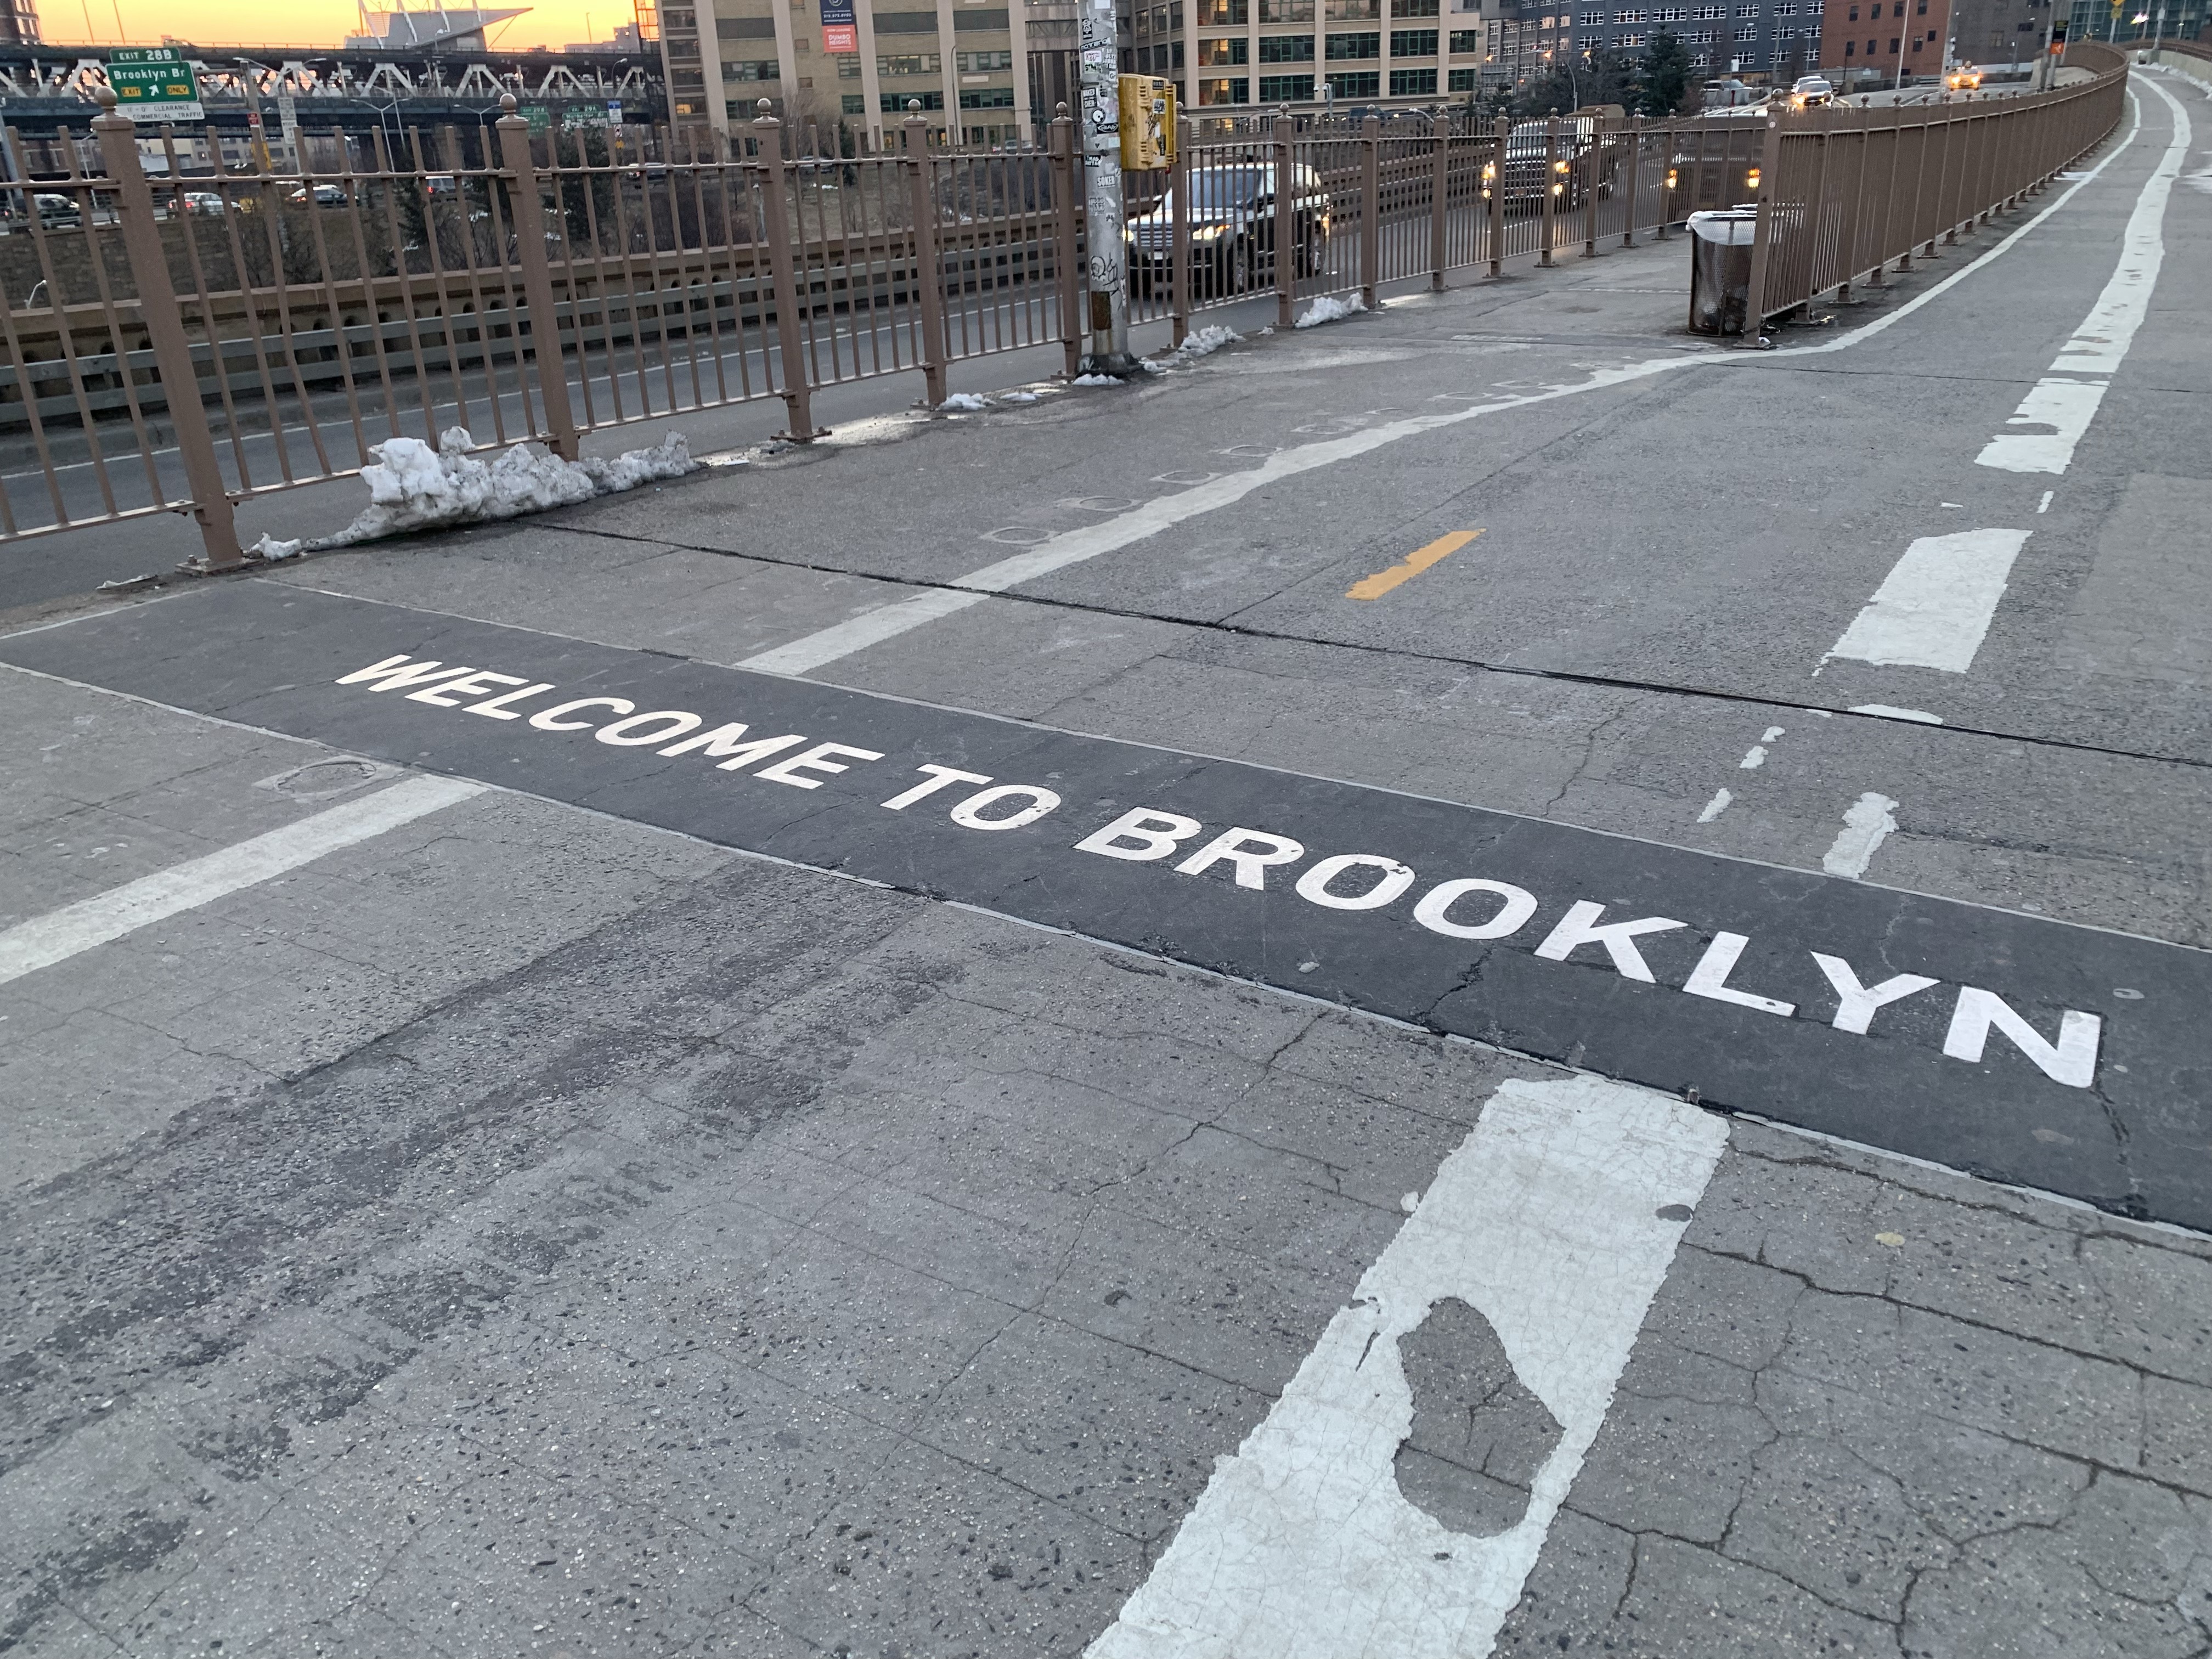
(93, 23)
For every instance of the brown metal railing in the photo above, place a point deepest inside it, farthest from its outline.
(180, 344)
(1843, 193)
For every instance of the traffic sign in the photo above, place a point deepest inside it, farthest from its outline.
(154, 84)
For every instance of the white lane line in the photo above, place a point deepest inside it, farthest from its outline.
(869, 628)
(1935, 605)
(1715, 806)
(2044, 505)
(1890, 711)
(814, 650)
(1555, 1220)
(60, 934)
(1867, 824)
(2062, 400)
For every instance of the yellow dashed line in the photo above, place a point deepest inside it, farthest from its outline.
(1374, 586)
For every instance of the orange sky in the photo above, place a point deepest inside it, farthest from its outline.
(298, 22)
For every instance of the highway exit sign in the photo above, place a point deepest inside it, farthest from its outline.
(154, 84)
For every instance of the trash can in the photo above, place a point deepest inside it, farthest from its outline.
(1720, 268)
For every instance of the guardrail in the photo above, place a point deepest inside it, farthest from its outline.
(1843, 192)
(180, 344)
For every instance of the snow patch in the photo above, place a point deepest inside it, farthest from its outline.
(270, 549)
(1206, 342)
(1094, 379)
(413, 487)
(1017, 397)
(966, 403)
(1330, 309)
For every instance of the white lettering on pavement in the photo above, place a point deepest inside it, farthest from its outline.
(1469, 908)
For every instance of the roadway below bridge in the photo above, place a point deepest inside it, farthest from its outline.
(1485, 980)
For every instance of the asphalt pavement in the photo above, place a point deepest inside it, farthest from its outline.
(1487, 979)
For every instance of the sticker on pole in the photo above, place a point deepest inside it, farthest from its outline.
(154, 84)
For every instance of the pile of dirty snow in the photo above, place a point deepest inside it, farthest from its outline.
(1094, 379)
(1204, 343)
(1330, 309)
(413, 487)
(963, 402)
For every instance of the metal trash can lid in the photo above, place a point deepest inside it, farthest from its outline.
(1733, 227)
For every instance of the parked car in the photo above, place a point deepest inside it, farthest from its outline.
(1235, 212)
(1580, 161)
(1811, 91)
(325, 195)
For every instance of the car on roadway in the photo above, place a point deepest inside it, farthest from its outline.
(1811, 91)
(1965, 78)
(205, 204)
(1237, 215)
(1535, 168)
(325, 195)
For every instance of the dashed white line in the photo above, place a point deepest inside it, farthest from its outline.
(1888, 712)
(1935, 607)
(1555, 1220)
(1867, 824)
(60, 934)
(1715, 806)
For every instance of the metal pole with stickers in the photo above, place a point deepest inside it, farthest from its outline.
(1105, 262)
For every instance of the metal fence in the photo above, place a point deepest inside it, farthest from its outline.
(1844, 192)
(179, 344)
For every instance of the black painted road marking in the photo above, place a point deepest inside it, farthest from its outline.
(1979, 1038)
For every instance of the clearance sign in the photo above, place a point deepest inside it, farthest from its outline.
(2054, 1056)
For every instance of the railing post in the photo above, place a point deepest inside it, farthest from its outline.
(1439, 205)
(1550, 192)
(1635, 175)
(1501, 140)
(1179, 240)
(528, 222)
(1762, 235)
(1371, 206)
(1587, 172)
(800, 415)
(1286, 280)
(164, 333)
(1067, 202)
(928, 268)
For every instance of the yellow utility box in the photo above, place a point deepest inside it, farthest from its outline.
(1148, 122)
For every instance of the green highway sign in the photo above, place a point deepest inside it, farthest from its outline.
(155, 83)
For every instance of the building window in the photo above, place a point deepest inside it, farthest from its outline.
(1286, 11)
(1238, 91)
(981, 23)
(1413, 43)
(1851, 48)
(984, 63)
(1223, 14)
(1413, 8)
(1219, 53)
(906, 22)
(1285, 49)
(848, 66)
(1412, 83)
(989, 98)
(1630, 40)
(1351, 11)
(750, 69)
(894, 103)
(1342, 46)
(922, 63)
(1468, 40)
(1462, 80)
(853, 103)
(1357, 85)
(1286, 89)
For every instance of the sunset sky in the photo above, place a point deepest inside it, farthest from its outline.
(299, 22)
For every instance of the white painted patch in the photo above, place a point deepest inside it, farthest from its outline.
(1866, 826)
(2044, 505)
(1546, 1221)
(1715, 806)
(60, 934)
(2062, 400)
(1753, 758)
(1888, 712)
(1934, 609)
(870, 628)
